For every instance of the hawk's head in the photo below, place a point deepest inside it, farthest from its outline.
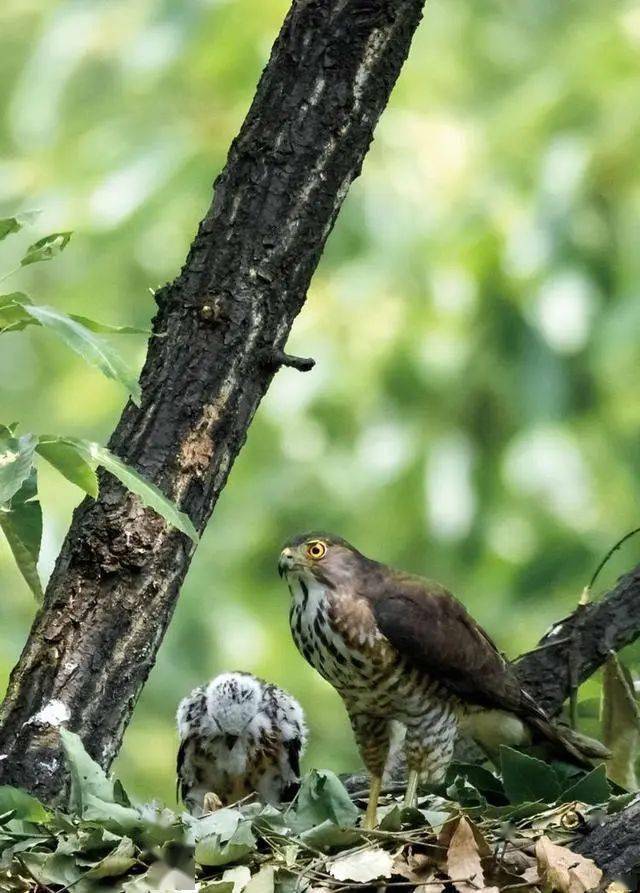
(322, 556)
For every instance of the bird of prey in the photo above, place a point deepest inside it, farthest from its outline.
(400, 648)
(239, 735)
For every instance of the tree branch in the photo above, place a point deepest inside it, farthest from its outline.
(615, 846)
(580, 643)
(117, 579)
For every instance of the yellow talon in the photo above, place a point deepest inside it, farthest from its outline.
(372, 806)
(412, 788)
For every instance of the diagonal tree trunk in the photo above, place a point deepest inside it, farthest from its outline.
(225, 320)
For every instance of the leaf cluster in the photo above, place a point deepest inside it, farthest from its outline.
(104, 842)
(76, 459)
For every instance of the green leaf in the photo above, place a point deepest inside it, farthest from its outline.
(95, 350)
(23, 805)
(87, 777)
(328, 836)
(484, 781)
(16, 460)
(110, 815)
(620, 723)
(103, 328)
(13, 316)
(589, 708)
(150, 495)
(66, 459)
(323, 796)
(212, 851)
(52, 868)
(592, 788)
(223, 823)
(46, 248)
(21, 524)
(8, 225)
(115, 863)
(527, 779)
(465, 793)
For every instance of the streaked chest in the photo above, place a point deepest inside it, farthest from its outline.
(337, 635)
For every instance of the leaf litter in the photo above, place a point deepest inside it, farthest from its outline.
(488, 844)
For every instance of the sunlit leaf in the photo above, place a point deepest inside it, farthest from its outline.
(16, 460)
(52, 868)
(13, 316)
(213, 851)
(150, 495)
(9, 225)
(620, 723)
(90, 347)
(363, 866)
(22, 805)
(87, 777)
(46, 248)
(323, 796)
(103, 328)
(66, 458)
(21, 523)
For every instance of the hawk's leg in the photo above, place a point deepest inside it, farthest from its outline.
(429, 747)
(373, 736)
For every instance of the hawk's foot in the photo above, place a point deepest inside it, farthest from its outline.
(372, 805)
(412, 788)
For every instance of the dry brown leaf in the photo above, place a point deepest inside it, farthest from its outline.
(414, 867)
(531, 875)
(564, 871)
(463, 859)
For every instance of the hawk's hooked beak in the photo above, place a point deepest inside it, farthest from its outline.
(230, 740)
(285, 562)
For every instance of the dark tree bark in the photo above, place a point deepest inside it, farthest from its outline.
(615, 846)
(226, 319)
(575, 647)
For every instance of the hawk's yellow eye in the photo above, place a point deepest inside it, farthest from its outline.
(316, 550)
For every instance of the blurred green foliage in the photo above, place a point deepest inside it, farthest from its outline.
(474, 413)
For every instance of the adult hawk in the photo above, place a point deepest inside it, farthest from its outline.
(239, 734)
(399, 647)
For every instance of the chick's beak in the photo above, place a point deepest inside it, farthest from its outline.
(285, 562)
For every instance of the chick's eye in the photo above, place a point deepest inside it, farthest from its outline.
(316, 550)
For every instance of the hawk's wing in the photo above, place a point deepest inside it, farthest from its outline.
(435, 633)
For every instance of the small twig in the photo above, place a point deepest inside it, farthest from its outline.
(611, 551)
(543, 647)
(397, 787)
(274, 358)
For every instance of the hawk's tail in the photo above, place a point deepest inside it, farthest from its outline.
(568, 742)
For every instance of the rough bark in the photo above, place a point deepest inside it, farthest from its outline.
(575, 647)
(615, 846)
(225, 320)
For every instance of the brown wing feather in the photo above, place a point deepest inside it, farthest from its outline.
(434, 631)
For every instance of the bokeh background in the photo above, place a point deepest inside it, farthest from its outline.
(474, 412)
